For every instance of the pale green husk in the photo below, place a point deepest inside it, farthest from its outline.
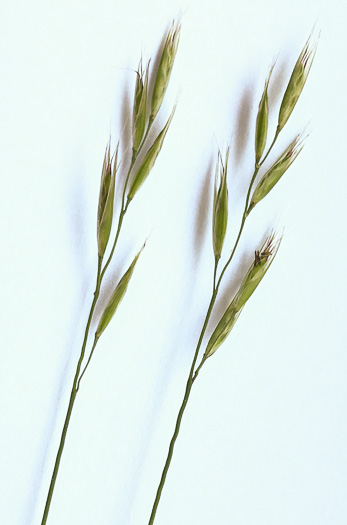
(149, 160)
(262, 121)
(106, 199)
(220, 207)
(255, 274)
(165, 67)
(273, 175)
(140, 106)
(116, 298)
(297, 81)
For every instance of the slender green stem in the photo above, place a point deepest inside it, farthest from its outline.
(150, 123)
(78, 377)
(192, 376)
(244, 216)
(180, 413)
(243, 220)
(122, 212)
(124, 206)
(185, 399)
(271, 146)
(120, 222)
(216, 261)
(72, 398)
(196, 373)
(96, 339)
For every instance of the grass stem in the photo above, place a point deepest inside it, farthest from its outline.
(72, 399)
(77, 378)
(193, 375)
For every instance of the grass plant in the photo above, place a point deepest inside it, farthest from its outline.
(137, 172)
(149, 91)
(263, 256)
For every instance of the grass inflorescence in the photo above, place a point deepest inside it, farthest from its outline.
(141, 124)
(146, 107)
(264, 255)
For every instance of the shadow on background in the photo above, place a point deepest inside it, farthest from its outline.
(203, 212)
(132, 478)
(242, 132)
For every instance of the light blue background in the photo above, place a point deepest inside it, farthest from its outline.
(263, 441)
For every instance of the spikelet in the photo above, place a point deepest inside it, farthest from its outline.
(273, 175)
(297, 81)
(140, 106)
(220, 206)
(116, 297)
(149, 160)
(262, 262)
(262, 121)
(106, 198)
(165, 67)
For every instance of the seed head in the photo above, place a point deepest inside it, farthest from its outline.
(149, 160)
(262, 262)
(165, 67)
(273, 175)
(297, 81)
(116, 297)
(220, 206)
(262, 121)
(140, 105)
(106, 198)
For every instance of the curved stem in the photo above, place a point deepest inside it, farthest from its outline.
(244, 216)
(120, 222)
(78, 377)
(196, 373)
(243, 220)
(270, 147)
(216, 261)
(96, 339)
(150, 122)
(124, 206)
(180, 414)
(192, 376)
(72, 399)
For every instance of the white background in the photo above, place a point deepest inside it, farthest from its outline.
(263, 440)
